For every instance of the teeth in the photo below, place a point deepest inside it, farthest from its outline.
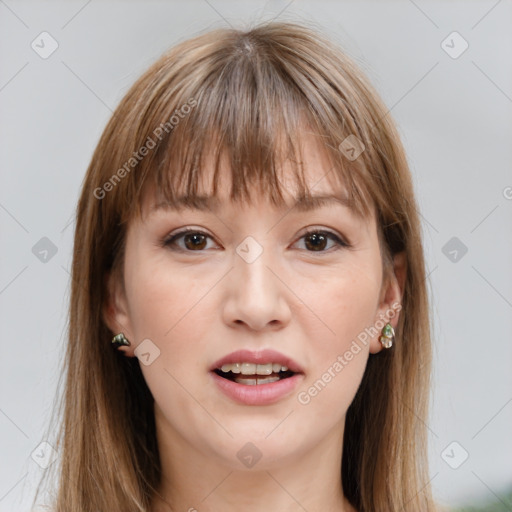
(248, 382)
(235, 368)
(253, 382)
(248, 369)
(254, 369)
(264, 369)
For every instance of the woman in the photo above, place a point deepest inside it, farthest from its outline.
(236, 342)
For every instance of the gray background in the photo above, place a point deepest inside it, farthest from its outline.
(454, 117)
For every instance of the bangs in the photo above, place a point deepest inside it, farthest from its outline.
(250, 107)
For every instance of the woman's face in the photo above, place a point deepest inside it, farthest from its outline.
(249, 278)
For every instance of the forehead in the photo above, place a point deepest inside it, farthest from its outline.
(215, 204)
(322, 193)
(317, 185)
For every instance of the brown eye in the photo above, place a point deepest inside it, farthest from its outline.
(316, 241)
(193, 240)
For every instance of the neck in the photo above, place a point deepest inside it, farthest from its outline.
(196, 481)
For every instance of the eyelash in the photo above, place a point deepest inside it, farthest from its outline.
(169, 241)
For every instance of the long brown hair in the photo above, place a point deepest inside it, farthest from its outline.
(248, 95)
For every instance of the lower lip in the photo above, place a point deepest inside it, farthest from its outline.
(259, 394)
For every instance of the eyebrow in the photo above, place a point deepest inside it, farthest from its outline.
(205, 203)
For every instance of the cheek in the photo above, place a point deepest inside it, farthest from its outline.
(162, 297)
(347, 305)
(347, 302)
(167, 308)
(170, 306)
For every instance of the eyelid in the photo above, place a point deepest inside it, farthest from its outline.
(339, 240)
(166, 242)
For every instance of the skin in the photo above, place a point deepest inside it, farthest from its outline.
(310, 306)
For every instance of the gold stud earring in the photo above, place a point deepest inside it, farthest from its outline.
(387, 336)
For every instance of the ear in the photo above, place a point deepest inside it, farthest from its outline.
(391, 298)
(115, 311)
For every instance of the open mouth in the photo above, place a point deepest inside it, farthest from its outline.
(254, 379)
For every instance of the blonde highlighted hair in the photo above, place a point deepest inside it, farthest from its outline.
(248, 95)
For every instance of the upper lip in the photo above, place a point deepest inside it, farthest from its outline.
(260, 357)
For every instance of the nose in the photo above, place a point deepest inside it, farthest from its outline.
(257, 295)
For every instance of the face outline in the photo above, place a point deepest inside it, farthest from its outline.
(197, 308)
